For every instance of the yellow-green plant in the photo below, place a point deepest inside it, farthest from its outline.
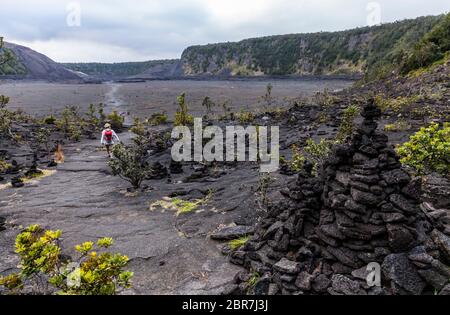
(245, 117)
(428, 150)
(182, 116)
(396, 105)
(238, 243)
(41, 265)
(157, 119)
(4, 166)
(318, 152)
(138, 127)
(115, 120)
(298, 159)
(347, 124)
(400, 125)
(50, 120)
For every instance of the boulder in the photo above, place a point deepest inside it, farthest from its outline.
(399, 269)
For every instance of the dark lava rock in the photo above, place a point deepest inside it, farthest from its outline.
(443, 243)
(401, 272)
(304, 280)
(233, 232)
(52, 163)
(396, 177)
(2, 223)
(176, 167)
(321, 283)
(17, 182)
(262, 286)
(341, 285)
(287, 266)
(400, 238)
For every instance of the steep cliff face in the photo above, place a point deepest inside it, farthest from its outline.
(354, 51)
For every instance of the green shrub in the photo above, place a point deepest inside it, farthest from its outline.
(347, 124)
(115, 120)
(138, 127)
(129, 163)
(4, 100)
(4, 166)
(70, 123)
(157, 119)
(50, 120)
(245, 117)
(41, 264)
(182, 117)
(428, 150)
(318, 152)
(298, 159)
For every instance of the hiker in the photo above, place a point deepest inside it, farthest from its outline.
(108, 138)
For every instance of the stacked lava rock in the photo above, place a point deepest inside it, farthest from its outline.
(361, 210)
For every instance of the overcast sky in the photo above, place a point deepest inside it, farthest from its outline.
(136, 30)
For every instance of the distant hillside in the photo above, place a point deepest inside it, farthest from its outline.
(29, 64)
(159, 68)
(368, 50)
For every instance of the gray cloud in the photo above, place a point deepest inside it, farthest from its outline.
(113, 30)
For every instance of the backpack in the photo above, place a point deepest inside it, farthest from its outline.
(108, 135)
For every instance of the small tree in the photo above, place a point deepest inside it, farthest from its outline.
(129, 163)
(428, 150)
(182, 117)
(208, 104)
(347, 124)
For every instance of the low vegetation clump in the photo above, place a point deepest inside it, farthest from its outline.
(245, 117)
(318, 152)
(50, 120)
(42, 266)
(400, 104)
(238, 243)
(400, 125)
(182, 116)
(115, 120)
(428, 150)
(138, 127)
(157, 119)
(128, 162)
(4, 166)
(254, 277)
(70, 123)
(181, 206)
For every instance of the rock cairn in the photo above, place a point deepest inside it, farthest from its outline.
(361, 210)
